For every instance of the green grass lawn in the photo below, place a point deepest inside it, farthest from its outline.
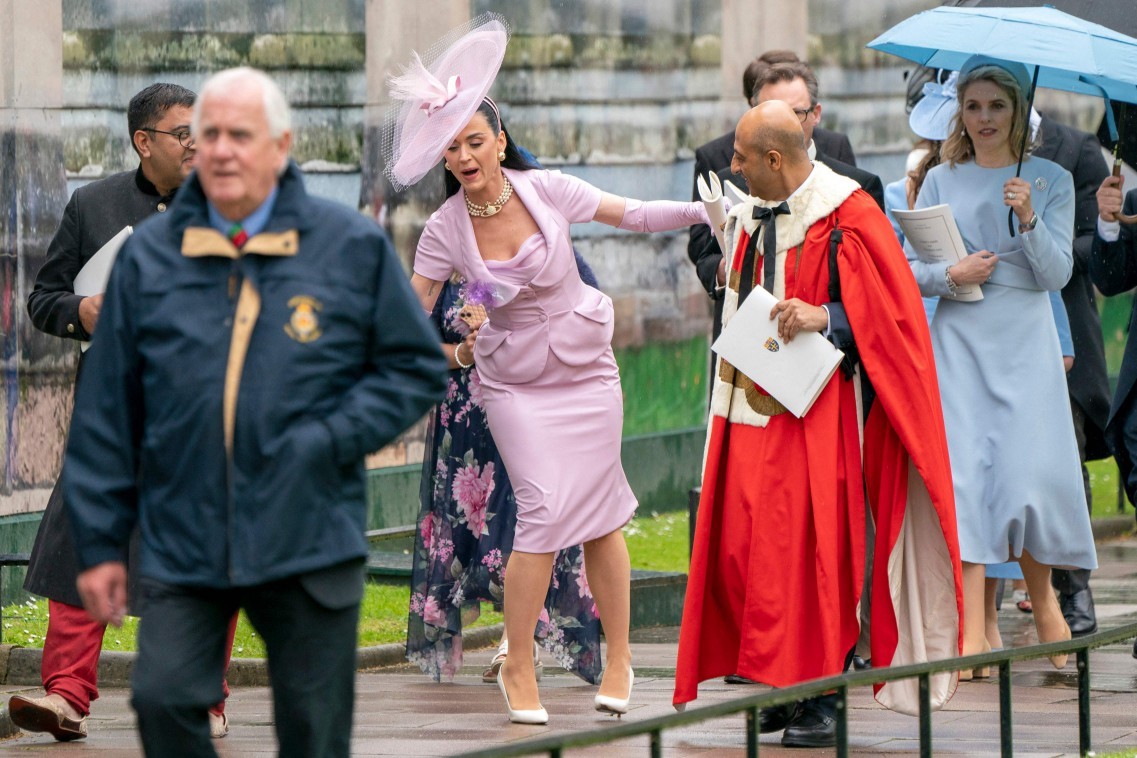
(1104, 479)
(383, 619)
(665, 385)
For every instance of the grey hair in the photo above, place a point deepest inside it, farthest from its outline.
(276, 108)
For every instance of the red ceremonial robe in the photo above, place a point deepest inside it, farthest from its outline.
(778, 559)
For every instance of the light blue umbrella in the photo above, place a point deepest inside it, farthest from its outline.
(1066, 52)
(1071, 54)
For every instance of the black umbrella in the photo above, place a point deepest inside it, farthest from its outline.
(1118, 15)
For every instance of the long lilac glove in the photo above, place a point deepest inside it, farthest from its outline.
(661, 215)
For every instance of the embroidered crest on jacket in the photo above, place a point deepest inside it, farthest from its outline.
(304, 325)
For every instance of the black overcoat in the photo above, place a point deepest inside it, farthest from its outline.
(95, 213)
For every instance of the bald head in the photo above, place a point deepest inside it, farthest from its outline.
(769, 150)
(773, 125)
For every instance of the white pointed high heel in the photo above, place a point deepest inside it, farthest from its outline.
(615, 705)
(536, 716)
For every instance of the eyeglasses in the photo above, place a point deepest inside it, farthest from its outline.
(802, 113)
(184, 138)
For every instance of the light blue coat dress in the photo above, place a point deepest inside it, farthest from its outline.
(1017, 480)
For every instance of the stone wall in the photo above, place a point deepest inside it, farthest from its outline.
(619, 92)
(34, 399)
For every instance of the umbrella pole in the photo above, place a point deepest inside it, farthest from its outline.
(1022, 148)
(1122, 217)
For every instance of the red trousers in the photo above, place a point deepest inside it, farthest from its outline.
(71, 656)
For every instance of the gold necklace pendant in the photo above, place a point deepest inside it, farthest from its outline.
(491, 208)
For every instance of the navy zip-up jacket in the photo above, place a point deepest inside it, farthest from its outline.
(228, 398)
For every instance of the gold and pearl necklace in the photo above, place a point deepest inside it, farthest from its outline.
(491, 209)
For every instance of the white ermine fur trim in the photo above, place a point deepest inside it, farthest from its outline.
(823, 194)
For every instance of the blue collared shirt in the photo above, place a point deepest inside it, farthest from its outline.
(253, 224)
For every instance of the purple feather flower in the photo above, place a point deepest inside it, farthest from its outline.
(479, 292)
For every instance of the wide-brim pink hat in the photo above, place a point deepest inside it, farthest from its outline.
(437, 95)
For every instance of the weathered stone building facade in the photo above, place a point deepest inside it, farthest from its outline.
(619, 92)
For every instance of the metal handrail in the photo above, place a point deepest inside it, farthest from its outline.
(555, 744)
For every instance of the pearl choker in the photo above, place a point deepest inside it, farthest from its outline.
(491, 209)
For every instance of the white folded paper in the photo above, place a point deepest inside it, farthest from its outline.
(734, 194)
(710, 192)
(934, 236)
(794, 372)
(92, 278)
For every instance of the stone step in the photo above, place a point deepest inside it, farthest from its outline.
(657, 596)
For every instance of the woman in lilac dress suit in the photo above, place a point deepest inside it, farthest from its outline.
(550, 384)
(550, 381)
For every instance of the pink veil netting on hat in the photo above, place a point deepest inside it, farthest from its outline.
(436, 95)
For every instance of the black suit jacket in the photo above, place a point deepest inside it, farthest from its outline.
(95, 213)
(1113, 268)
(1080, 153)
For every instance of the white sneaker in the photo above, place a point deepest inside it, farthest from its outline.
(218, 725)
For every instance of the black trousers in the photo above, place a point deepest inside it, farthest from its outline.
(311, 653)
(1071, 581)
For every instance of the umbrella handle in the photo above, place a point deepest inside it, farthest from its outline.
(1122, 217)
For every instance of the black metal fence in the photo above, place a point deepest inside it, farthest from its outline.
(555, 745)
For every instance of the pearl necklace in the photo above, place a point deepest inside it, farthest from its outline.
(491, 209)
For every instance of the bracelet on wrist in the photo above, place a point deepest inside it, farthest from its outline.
(458, 358)
(951, 285)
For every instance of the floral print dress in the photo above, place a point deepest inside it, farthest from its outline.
(465, 536)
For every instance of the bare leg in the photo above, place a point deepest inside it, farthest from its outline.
(610, 579)
(974, 624)
(526, 585)
(1048, 618)
(991, 615)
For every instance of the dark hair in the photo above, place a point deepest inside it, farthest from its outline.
(787, 72)
(149, 106)
(514, 158)
(754, 70)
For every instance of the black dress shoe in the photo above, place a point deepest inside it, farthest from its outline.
(860, 664)
(775, 719)
(811, 728)
(736, 679)
(1078, 609)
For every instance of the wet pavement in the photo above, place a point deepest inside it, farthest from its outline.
(399, 712)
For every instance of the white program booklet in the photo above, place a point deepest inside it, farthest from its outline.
(710, 192)
(92, 278)
(795, 372)
(934, 236)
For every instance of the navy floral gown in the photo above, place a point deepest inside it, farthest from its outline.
(465, 536)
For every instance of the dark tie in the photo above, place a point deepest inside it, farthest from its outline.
(766, 218)
(238, 236)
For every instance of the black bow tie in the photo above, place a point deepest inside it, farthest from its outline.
(766, 220)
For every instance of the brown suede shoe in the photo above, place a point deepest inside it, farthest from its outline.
(42, 714)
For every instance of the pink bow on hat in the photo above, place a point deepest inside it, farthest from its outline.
(442, 95)
(417, 83)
